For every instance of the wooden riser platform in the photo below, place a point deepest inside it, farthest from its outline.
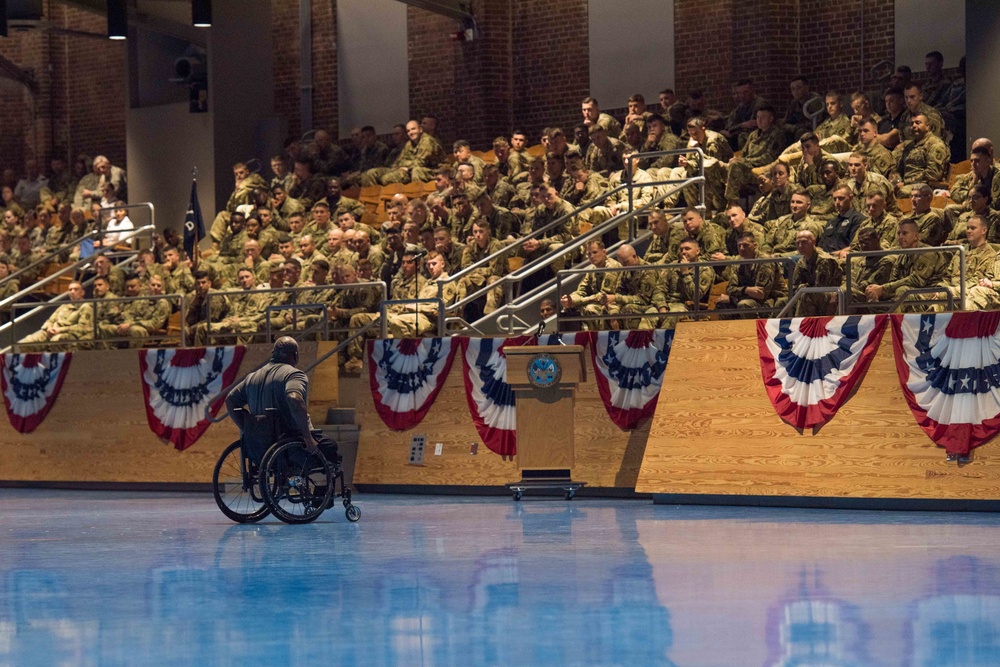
(716, 438)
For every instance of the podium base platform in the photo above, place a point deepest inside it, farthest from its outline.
(545, 479)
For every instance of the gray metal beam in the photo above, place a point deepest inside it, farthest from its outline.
(146, 20)
(456, 9)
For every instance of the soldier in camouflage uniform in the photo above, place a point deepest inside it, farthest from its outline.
(407, 284)
(72, 321)
(912, 271)
(246, 312)
(552, 208)
(879, 158)
(762, 148)
(586, 299)
(483, 246)
(915, 106)
(980, 269)
(815, 268)
(777, 195)
(885, 225)
(863, 183)
(638, 292)
(659, 245)
(930, 221)
(592, 117)
(246, 183)
(709, 237)
(8, 288)
(203, 307)
(604, 154)
(867, 271)
(176, 276)
(308, 187)
(420, 156)
(751, 286)
(921, 159)
(718, 153)
(984, 172)
(678, 286)
(835, 131)
(420, 319)
(140, 319)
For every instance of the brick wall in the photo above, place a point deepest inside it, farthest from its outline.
(285, 42)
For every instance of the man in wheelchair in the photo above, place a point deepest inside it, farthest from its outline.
(270, 405)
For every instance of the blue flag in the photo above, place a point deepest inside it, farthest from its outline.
(194, 225)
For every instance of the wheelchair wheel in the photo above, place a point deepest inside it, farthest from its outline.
(234, 485)
(297, 485)
(352, 513)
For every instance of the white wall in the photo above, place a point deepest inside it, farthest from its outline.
(923, 26)
(162, 144)
(983, 96)
(631, 50)
(372, 68)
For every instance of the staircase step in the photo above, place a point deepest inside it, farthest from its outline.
(336, 416)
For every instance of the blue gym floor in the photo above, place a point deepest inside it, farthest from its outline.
(125, 578)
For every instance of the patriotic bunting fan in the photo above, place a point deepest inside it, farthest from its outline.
(179, 384)
(31, 384)
(629, 369)
(406, 376)
(811, 365)
(490, 398)
(949, 370)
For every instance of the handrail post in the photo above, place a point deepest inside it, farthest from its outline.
(848, 294)
(961, 276)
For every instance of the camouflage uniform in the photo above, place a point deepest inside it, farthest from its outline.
(75, 321)
(611, 126)
(215, 308)
(879, 158)
(586, 297)
(145, 317)
(867, 271)
(762, 148)
(711, 239)
(925, 161)
(773, 205)
(779, 235)
(485, 275)
(718, 153)
(980, 263)
(911, 271)
(604, 160)
(638, 292)
(247, 307)
(934, 121)
(874, 184)
(503, 223)
(930, 225)
(766, 276)
(242, 194)
(821, 270)
(402, 288)
(679, 290)
(886, 227)
(420, 159)
(835, 127)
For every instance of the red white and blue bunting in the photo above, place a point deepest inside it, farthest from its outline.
(31, 384)
(406, 376)
(811, 365)
(629, 369)
(949, 370)
(179, 384)
(491, 399)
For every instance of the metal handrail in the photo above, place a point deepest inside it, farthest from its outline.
(295, 308)
(384, 307)
(799, 293)
(288, 290)
(132, 233)
(485, 261)
(920, 250)
(696, 266)
(95, 323)
(580, 241)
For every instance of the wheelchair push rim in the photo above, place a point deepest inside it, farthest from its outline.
(296, 485)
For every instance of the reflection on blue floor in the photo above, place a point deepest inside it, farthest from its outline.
(124, 579)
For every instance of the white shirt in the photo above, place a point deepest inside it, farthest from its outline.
(116, 233)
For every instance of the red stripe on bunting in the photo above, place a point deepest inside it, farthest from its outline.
(407, 419)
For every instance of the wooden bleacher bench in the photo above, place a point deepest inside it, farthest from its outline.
(537, 150)
(414, 189)
(430, 187)
(369, 196)
(490, 157)
(369, 219)
(353, 192)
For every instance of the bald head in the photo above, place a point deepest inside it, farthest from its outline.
(627, 256)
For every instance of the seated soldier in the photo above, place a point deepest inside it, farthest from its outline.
(482, 246)
(984, 172)
(822, 195)
(336, 203)
(737, 225)
(461, 218)
(504, 224)
(246, 312)
(501, 191)
(420, 319)
(619, 203)
(980, 269)
(883, 223)
(245, 183)
(587, 299)
(463, 153)
(204, 307)
(140, 319)
(879, 158)
(777, 195)
(636, 293)
(72, 321)
(751, 287)
(920, 160)
(869, 270)
(176, 275)
(8, 288)
(551, 209)
(861, 112)
(815, 268)
(604, 154)
(450, 251)
(421, 155)
(864, 182)
(406, 285)
(839, 231)
(593, 117)
(718, 153)
(806, 172)
(709, 237)
(911, 271)
(349, 301)
(835, 131)
(762, 148)
(929, 221)
(659, 244)
(680, 289)
(309, 186)
(308, 254)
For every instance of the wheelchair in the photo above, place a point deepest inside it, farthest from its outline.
(254, 478)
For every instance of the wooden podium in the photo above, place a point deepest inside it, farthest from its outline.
(544, 379)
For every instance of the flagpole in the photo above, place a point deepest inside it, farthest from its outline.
(196, 251)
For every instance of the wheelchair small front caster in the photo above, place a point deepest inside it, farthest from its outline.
(518, 494)
(352, 513)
